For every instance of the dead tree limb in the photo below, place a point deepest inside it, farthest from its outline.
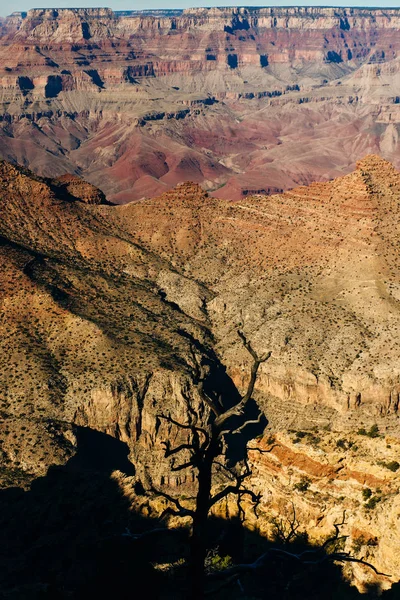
(181, 511)
(183, 425)
(336, 537)
(237, 409)
(260, 562)
(314, 557)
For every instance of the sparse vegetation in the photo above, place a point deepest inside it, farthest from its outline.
(373, 432)
(366, 493)
(392, 465)
(302, 485)
(306, 436)
(372, 502)
(215, 562)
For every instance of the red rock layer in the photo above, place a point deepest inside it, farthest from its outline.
(242, 101)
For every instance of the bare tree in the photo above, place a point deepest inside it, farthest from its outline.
(205, 445)
(204, 449)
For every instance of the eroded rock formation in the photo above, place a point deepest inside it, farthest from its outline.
(240, 100)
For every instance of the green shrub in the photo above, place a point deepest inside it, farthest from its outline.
(372, 502)
(366, 493)
(344, 444)
(307, 436)
(393, 465)
(372, 433)
(302, 485)
(215, 562)
(299, 436)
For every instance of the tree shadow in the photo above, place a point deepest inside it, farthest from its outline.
(63, 539)
(282, 577)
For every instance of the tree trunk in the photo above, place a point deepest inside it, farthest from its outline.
(198, 542)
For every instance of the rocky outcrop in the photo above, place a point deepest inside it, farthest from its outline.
(322, 475)
(71, 186)
(248, 31)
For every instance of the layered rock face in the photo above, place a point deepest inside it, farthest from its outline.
(239, 100)
(103, 305)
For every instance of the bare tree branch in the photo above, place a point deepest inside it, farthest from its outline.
(249, 348)
(342, 558)
(170, 452)
(336, 537)
(234, 489)
(261, 560)
(237, 409)
(286, 530)
(183, 425)
(225, 468)
(182, 466)
(262, 450)
(242, 426)
(181, 511)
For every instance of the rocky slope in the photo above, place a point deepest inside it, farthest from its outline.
(239, 100)
(101, 306)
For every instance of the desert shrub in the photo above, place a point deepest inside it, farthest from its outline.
(358, 543)
(372, 502)
(302, 485)
(341, 443)
(215, 562)
(366, 493)
(372, 433)
(307, 436)
(393, 465)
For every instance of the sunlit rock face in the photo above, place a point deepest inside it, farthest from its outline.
(102, 306)
(239, 100)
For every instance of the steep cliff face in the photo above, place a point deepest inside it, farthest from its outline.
(102, 305)
(240, 100)
(323, 477)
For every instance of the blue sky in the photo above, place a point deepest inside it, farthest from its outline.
(8, 6)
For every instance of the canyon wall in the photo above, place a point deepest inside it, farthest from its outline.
(104, 308)
(101, 304)
(239, 100)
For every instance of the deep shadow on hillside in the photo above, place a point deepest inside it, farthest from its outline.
(63, 539)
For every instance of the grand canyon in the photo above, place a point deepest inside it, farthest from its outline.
(241, 101)
(168, 180)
